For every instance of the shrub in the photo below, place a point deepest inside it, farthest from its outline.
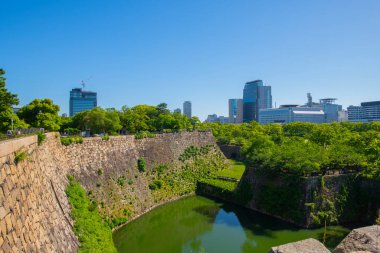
(20, 156)
(155, 185)
(94, 235)
(141, 164)
(40, 138)
(71, 140)
(100, 171)
(116, 221)
(105, 138)
(144, 134)
(121, 181)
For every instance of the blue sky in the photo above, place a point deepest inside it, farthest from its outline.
(200, 50)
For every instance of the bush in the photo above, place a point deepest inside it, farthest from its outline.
(71, 140)
(20, 156)
(155, 185)
(40, 138)
(141, 164)
(144, 134)
(100, 172)
(116, 221)
(121, 181)
(94, 235)
(105, 138)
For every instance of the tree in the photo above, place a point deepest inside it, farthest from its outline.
(7, 100)
(41, 113)
(98, 120)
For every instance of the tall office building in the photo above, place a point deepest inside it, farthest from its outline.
(187, 108)
(355, 114)
(371, 110)
(256, 96)
(178, 110)
(81, 100)
(331, 109)
(235, 110)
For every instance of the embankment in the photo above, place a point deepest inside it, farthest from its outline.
(34, 210)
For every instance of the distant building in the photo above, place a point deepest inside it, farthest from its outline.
(327, 105)
(223, 119)
(64, 115)
(213, 118)
(16, 109)
(342, 116)
(178, 110)
(235, 110)
(81, 100)
(256, 96)
(187, 108)
(371, 111)
(355, 114)
(291, 113)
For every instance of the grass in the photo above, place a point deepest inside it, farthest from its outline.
(94, 235)
(222, 184)
(40, 138)
(236, 171)
(71, 140)
(20, 156)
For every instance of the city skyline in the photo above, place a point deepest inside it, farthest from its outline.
(205, 56)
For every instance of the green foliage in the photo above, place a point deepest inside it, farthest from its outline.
(41, 113)
(193, 152)
(20, 156)
(98, 120)
(94, 235)
(145, 118)
(144, 134)
(121, 181)
(115, 221)
(40, 138)
(377, 222)
(141, 164)
(71, 140)
(105, 138)
(7, 100)
(157, 184)
(71, 130)
(160, 169)
(305, 149)
(100, 172)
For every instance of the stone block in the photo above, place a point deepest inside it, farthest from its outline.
(361, 240)
(305, 246)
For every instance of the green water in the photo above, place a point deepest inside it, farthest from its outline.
(198, 224)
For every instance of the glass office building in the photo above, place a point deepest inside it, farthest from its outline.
(256, 96)
(187, 108)
(371, 111)
(235, 110)
(81, 100)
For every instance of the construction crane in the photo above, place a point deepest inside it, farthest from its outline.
(83, 82)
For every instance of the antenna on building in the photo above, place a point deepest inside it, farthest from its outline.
(83, 82)
(309, 99)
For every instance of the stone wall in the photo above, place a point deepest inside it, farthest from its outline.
(98, 164)
(34, 210)
(356, 199)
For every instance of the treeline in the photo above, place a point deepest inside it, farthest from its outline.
(43, 113)
(305, 148)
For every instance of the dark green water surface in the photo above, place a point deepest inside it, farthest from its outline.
(197, 224)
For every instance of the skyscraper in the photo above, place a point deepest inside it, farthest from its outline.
(235, 110)
(256, 96)
(81, 100)
(187, 108)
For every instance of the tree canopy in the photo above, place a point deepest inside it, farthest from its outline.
(41, 113)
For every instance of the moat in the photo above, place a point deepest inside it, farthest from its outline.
(197, 224)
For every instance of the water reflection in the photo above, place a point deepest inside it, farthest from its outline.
(197, 224)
